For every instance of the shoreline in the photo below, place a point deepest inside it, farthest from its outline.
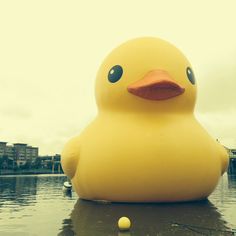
(28, 172)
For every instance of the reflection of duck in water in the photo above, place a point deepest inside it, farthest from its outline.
(93, 218)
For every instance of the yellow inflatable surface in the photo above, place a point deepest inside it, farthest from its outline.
(145, 144)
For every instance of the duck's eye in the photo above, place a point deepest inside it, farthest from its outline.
(115, 73)
(190, 75)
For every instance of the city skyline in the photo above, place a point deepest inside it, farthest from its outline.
(9, 146)
(51, 51)
(23, 158)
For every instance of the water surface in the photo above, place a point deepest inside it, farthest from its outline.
(36, 205)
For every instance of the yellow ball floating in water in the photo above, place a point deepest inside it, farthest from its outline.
(124, 223)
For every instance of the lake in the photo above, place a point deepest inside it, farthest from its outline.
(35, 205)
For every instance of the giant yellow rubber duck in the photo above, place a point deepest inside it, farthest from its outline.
(145, 144)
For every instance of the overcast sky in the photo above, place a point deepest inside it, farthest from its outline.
(50, 52)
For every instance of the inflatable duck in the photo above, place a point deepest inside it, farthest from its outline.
(145, 144)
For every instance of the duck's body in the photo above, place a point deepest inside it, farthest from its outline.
(154, 152)
(158, 160)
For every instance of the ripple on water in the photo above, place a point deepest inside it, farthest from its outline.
(36, 205)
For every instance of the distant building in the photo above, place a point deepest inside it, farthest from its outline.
(32, 152)
(52, 162)
(2, 148)
(46, 161)
(10, 152)
(20, 153)
(232, 162)
(232, 153)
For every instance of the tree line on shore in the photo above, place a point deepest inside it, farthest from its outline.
(7, 163)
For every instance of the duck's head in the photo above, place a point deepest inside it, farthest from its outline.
(146, 74)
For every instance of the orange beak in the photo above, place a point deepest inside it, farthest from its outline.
(156, 85)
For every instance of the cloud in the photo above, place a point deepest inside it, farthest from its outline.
(217, 87)
(16, 112)
(216, 103)
(47, 73)
(220, 125)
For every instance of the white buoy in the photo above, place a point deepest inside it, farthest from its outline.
(67, 186)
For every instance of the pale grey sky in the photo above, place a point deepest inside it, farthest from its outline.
(50, 52)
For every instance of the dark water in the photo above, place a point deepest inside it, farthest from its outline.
(36, 205)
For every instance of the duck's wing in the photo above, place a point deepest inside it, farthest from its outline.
(70, 157)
